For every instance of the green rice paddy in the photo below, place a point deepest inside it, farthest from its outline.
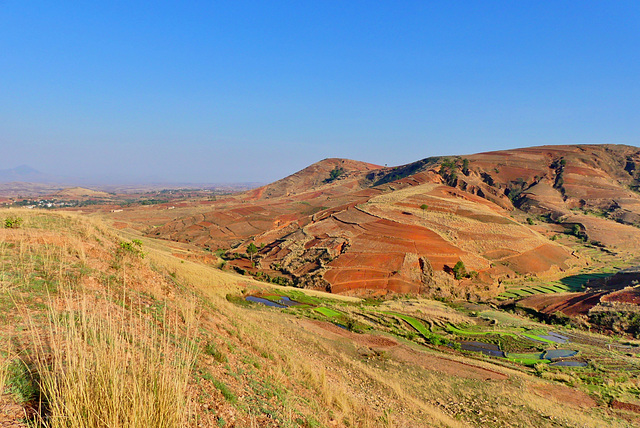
(418, 325)
(569, 284)
(328, 312)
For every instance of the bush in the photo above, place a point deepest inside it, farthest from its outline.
(133, 248)
(12, 222)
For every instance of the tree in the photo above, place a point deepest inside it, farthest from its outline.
(459, 270)
(465, 166)
(251, 250)
(424, 207)
(334, 174)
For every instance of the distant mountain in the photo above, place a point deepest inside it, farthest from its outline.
(27, 174)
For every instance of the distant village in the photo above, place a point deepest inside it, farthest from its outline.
(122, 200)
(47, 203)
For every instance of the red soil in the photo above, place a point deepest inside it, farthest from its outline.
(389, 244)
(570, 304)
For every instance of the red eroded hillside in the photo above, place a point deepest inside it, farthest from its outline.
(352, 227)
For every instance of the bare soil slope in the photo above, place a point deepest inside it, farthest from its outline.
(371, 230)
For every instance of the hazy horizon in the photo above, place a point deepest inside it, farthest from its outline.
(238, 92)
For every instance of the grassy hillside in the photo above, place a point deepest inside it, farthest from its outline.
(99, 329)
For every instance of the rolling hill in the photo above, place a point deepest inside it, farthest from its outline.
(356, 228)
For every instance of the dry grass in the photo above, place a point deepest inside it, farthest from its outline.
(96, 357)
(112, 368)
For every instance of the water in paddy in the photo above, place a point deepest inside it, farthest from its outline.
(282, 302)
(555, 337)
(569, 364)
(263, 301)
(486, 348)
(559, 353)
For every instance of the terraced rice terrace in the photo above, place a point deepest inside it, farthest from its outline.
(568, 284)
(480, 333)
(602, 264)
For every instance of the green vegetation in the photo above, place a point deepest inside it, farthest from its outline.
(530, 359)
(335, 173)
(465, 166)
(251, 250)
(211, 349)
(12, 222)
(432, 338)
(328, 312)
(133, 248)
(20, 381)
(448, 172)
(459, 270)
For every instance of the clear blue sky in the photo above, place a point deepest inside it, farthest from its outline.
(217, 91)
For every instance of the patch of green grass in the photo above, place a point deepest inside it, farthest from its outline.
(20, 382)
(527, 361)
(222, 387)
(419, 326)
(328, 312)
(520, 292)
(299, 296)
(550, 289)
(542, 290)
(527, 355)
(538, 338)
(508, 295)
(432, 338)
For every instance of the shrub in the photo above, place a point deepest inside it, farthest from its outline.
(465, 166)
(133, 248)
(251, 250)
(12, 222)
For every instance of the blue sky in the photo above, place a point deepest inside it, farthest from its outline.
(208, 91)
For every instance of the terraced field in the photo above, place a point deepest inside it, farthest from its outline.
(491, 336)
(569, 284)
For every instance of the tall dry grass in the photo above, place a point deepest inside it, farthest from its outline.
(111, 367)
(98, 358)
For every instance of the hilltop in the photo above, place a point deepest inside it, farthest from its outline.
(372, 230)
(81, 192)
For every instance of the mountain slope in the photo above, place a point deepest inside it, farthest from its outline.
(404, 229)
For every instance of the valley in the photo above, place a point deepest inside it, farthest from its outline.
(497, 289)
